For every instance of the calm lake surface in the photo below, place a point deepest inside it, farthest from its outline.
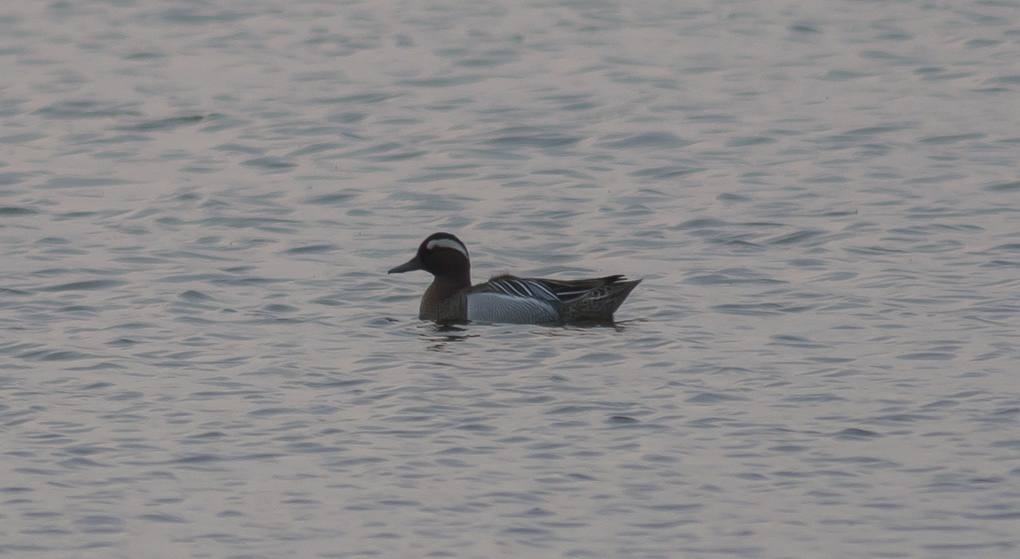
(201, 354)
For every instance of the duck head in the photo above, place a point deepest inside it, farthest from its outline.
(442, 255)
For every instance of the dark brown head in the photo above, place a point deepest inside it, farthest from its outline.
(442, 255)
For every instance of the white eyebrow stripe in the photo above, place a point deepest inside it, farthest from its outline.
(447, 243)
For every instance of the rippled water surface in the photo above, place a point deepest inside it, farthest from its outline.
(201, 354)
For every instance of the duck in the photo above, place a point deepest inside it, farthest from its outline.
(506, 298)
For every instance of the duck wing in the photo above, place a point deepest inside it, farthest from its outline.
(554, 291)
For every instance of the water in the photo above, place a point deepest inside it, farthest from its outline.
(201, 354)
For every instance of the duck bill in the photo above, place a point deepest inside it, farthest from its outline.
(409, 266)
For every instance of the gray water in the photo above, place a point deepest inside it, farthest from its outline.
(201, 354)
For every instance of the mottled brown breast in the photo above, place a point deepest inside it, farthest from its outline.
(443, 301)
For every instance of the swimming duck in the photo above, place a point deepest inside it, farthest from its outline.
(506, 298)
